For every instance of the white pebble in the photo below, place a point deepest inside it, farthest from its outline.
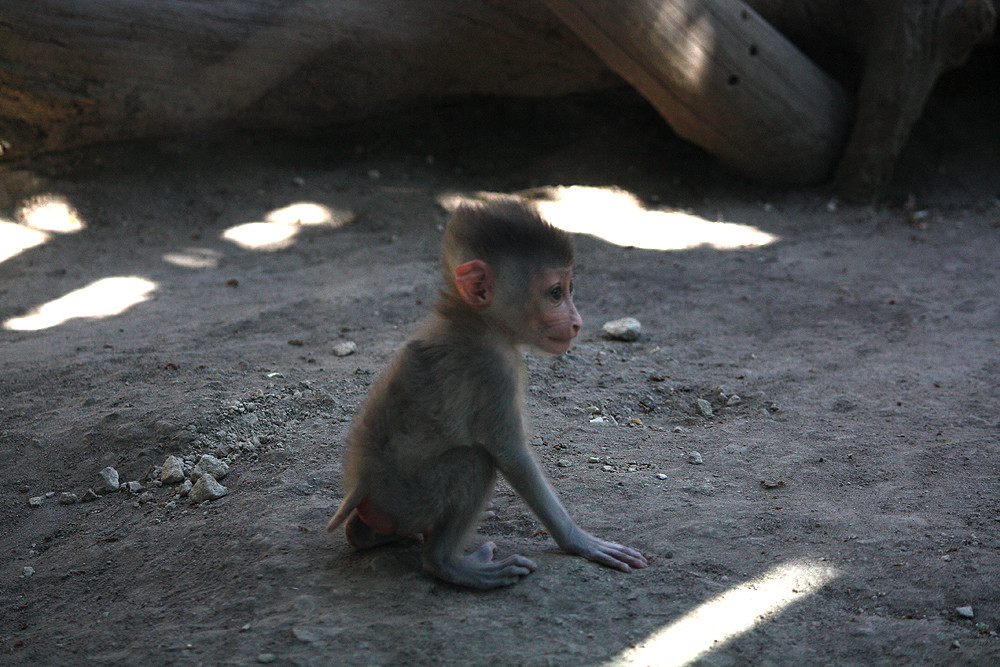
(593, 459)
(608, 468)
(626, 329)
(345, 348)
(36, 501)
(660, 475)
(694, 458)
(564, 463)
(28, 571)
(965, 612)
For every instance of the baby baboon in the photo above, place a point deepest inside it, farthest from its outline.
(423, 454)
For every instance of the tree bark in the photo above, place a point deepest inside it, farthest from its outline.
(900, 49)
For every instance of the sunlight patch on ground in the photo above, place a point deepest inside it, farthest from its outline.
(15, 239)
(50, 213)
(37, 220)
(618, 217)
(280, 227)
(103, 298)
(194, 258)
(736, 611)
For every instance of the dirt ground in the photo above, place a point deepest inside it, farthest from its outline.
(845, 510)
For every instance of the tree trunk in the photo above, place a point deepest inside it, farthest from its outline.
(900, 48)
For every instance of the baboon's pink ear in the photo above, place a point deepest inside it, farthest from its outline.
(474, 281)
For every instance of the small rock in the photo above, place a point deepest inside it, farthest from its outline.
(206, 488)
(609, 468)
(593, 459)
(305, 635)
(67, 498)
(733, 400)
(703, 489)
(723, 392)
(209, 465)
(28, 571)
(184, 488)
(626, 329)
(538, 442)
(694, 458)
(703, 407)
(173, 470)
(660, 475)
(266, 658)
(107, 481)
(135, 487)
(679, 429)
(965, 612)
(90, 495)
(564, 463)
(345, 348)
(36, 501)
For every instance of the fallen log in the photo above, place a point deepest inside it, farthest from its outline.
(74, 73)
(724, 79)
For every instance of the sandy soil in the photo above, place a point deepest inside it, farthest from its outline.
(845, 509)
